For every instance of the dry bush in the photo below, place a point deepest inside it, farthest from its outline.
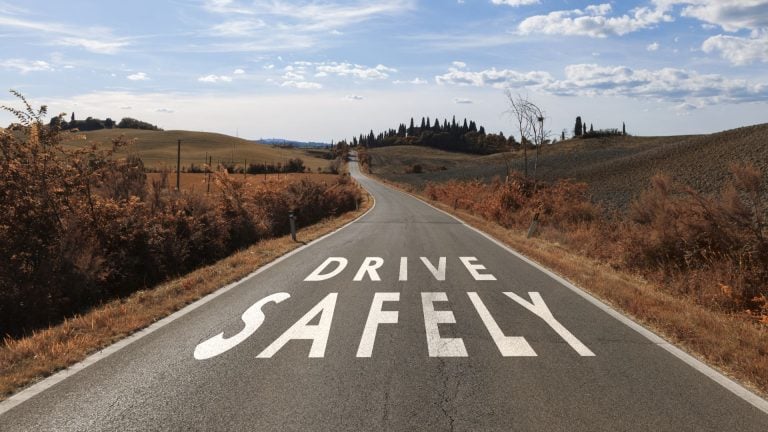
(711, 247)
(513, 203)
(80, 227)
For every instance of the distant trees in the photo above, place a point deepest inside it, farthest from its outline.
(437, 133)
(131, 123)
(91, 124)
(580, 130)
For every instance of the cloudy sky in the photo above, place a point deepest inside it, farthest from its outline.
(330, 69)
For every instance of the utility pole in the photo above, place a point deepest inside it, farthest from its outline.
(178, 164)
(210, 161)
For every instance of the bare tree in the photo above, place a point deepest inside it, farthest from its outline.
(518, 109)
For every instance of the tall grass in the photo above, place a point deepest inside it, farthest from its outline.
(79, 226)
(712, 250)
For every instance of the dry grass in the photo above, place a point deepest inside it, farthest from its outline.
(196, 182)
(731, 342)
(158, 148)
(29, 359)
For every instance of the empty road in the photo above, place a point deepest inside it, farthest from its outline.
(404, 320)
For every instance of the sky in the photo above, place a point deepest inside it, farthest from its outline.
(327, 70)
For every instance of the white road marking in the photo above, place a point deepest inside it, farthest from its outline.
(540, 309)
(375, 317)
(317, 274)
(369, 266)
(473, 269)
(253, 317)
(302, 330)
(403, 269)
(439, 272)
(439, 346)
(509, 346)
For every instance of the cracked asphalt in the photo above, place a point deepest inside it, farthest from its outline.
(156, 383)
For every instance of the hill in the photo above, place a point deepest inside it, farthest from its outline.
(616, 168)
(158, 148)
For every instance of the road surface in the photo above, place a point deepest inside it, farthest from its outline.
(404, 320)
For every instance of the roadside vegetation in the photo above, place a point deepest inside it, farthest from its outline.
(80, 226)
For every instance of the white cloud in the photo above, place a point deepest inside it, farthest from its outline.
(97, 40)
(355, 70)
(215, 78)
(93, 45)
(301, 84)
(493, 77)
(226, 7)
(738, 50)
(286, 24)
(730, 15)
(293, 76)
(513, 3)
(138, 76)
(269, 66)
(459, 64)
(237, 28)
(652, 47)
(238, 72)
(666, 84)
(593, 21)
(164, 110)
(26, 66)
(354, 97)
(415, 81)
(462, 101)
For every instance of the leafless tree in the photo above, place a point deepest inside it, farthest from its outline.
(519, 110)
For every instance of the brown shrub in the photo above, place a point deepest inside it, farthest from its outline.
(80, 227)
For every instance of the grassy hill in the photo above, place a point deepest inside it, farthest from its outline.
(158, 148)
(617, 169)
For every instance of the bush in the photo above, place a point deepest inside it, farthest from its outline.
(79, 227)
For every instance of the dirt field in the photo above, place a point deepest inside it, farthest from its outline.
(616, 169)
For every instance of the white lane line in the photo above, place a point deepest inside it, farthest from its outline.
(691, 361)
(52, 380)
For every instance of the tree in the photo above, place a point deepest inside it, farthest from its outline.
(577, 128)
(411, 129)
(518, 109)
(109, 123)
(591, 129)
(623, 129)
(562, 135)
(72, 119)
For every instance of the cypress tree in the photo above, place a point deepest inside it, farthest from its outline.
(577, 128)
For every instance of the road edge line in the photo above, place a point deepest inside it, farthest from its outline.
(46, 383)
(715, 375)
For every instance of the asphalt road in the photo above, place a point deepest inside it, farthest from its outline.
(322, 357)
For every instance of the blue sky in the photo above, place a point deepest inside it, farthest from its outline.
(325, 69)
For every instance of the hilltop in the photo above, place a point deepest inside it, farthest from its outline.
(158, 148)
(616, 168)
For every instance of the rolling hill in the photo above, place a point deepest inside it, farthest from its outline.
(617, 169)
(158, 148)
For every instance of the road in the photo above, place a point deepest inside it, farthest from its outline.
(470, 337)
